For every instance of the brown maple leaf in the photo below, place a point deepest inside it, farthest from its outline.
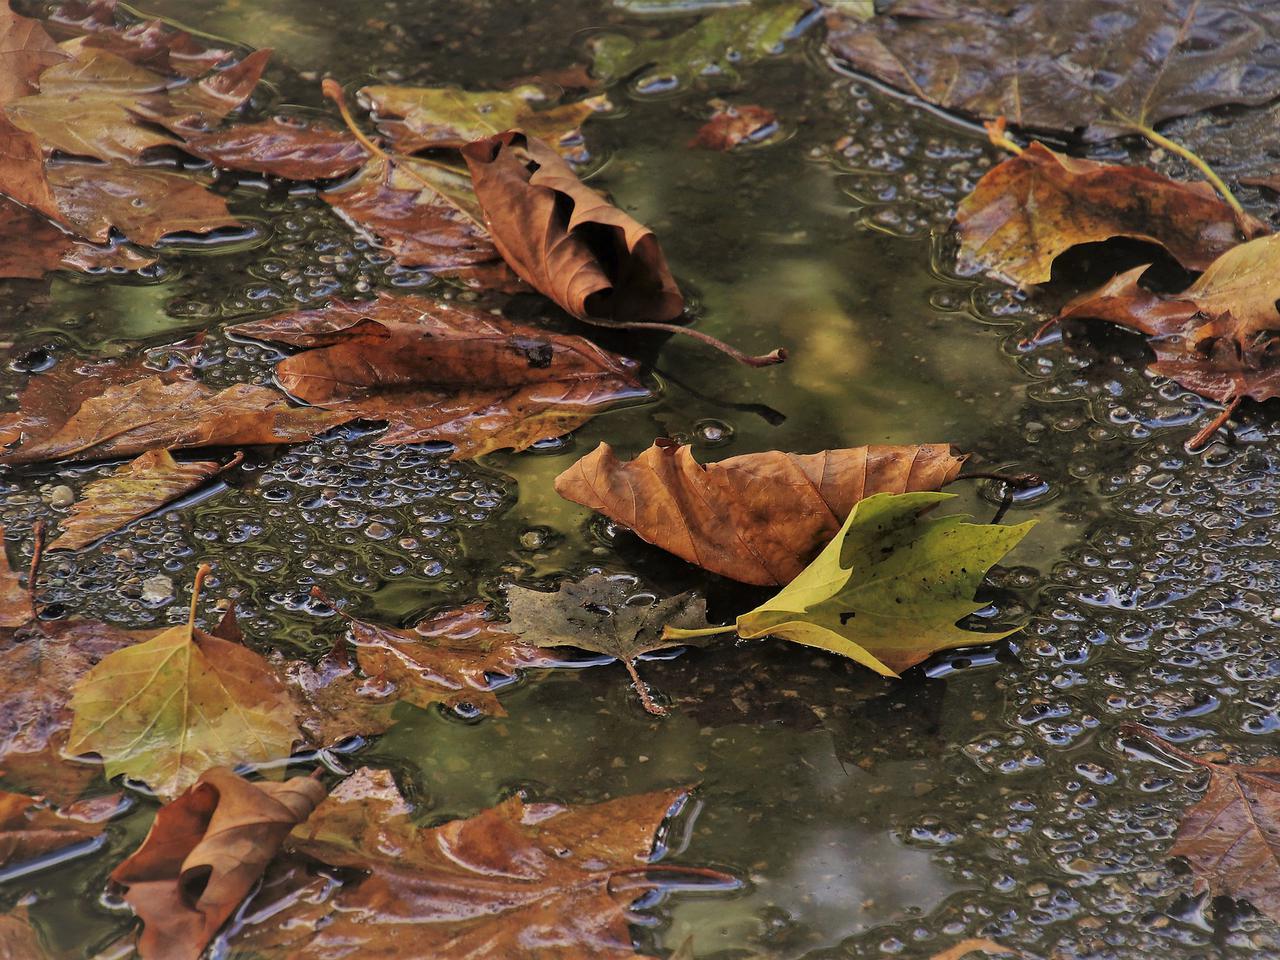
(205, 851)
(437, 371)
(758, 518)
(281, 146)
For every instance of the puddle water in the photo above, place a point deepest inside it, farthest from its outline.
(985, 795)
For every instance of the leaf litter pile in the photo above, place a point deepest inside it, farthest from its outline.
(119, 137)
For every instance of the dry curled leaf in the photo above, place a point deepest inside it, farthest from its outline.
(758, 518)
(566, 240)
(1035, 206)
(203, 855)
(281, 147)
(437, 371)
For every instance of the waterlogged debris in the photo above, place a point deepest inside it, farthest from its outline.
(732, 124)
(518, 880)
(31, 828)
(888, 589)
(31, 246)
(166, 710)
(204, 853)
(1035, 206)
(1217, 338)
(18, 938)
(758, 518)
(281, 146)
(606, 615)
(1108, 66)
(15, 600)
(153, 44)
(436, 371)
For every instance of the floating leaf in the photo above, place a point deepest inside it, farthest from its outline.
(888, 589)
(204, 853)
(31, 828)
(31, 246)
(606, 615)
(153, 44)
(281, 147)
(732, 124)
(1033, 207)
(758, 518)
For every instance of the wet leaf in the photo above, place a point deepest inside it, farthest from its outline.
(153, 44)
(758, 518)
(518, 881)
(732, 124)
(18, 938)
(419, 118)
(202, 104)
(31, 828)
(888, 589)
(1096, 65)
(26, 51)
(1231, 836)
(166, 710)
(281, 147)
(973, 945)
(31, 246)
(134, 490)
(204, 853)
(436, 371)
(566, 240)
(605, 615)
(1033, 207)
(15, 600)
(716, 46)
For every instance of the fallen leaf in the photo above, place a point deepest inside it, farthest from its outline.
(204, 853)
(335, 702)
(518, 881)
(31, 828)
(1218, 337)
(153, 44)
(421, 118)
(1101, 65)
(716, 46)
(888, 589)
(26, 51)
(202, 104)
(15, 599)
(282, 146)
(732, 124)
(1268, 183)
(1231, 836)
(165, 710)
(606, 615)
(758, 518)
(566, 240)
(31, 246)
(441, 372)
(134, 490)
(18, 938)
(973, 945)
(1034, 207)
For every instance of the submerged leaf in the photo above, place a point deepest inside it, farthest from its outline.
(732, 124)
(757, 518)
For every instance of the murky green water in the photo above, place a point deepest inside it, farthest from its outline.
(985, 794)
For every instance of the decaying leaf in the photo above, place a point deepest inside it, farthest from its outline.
(437, 371)
(758, 518)
(18, 938)
(26, 51)
(888, 589)
(203, 855)
(518, 881)
(604, 614)
(566, 240)
(166, 710)
(1062, 67)
(732, 124)
(31, 246)
(282, 146)
(716, 46)
(1218, 337)
(153, 44)
(31, 828)
(1033, 207)
(135, 490)
(1231, 837)
(420, 118)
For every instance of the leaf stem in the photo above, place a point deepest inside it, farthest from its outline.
(1160, 140)
(998, 137)
(202, 572)
(650, 705)
(762, 360)
(37, 551)
(675, 633)
(1201, 438)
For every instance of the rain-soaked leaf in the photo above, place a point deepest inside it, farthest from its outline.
(31, 246)
(888, 589)
(1052, 66)
(153, 44)
(134, 490)
(281, 146)
(1231, 836)
(566, 240)
(18, 938)
(203, 855)
(26, 50)
(438, 371)
(518, 881)
(1218, 337)
(1033, 207)
(732, 124)
(420, 118)
(758, 518)
(166, 710)
(31, 828)
(716, 46)
(606, 615)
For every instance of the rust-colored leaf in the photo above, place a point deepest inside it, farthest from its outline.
(25, 52)
(437, 371)
(205, 851)
(31, 246)
(759, 518)
(281, 147)
(18, 938)
(31, 828)
(135, 490)
(203, 104)
(15, 600)
(973, 945)
(153, 44)
(1034, 207)
(518, 881)
(566, 240)
(732, 124)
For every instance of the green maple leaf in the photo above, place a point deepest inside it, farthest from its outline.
(888, 589)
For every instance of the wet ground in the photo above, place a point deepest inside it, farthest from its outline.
(986, 794)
